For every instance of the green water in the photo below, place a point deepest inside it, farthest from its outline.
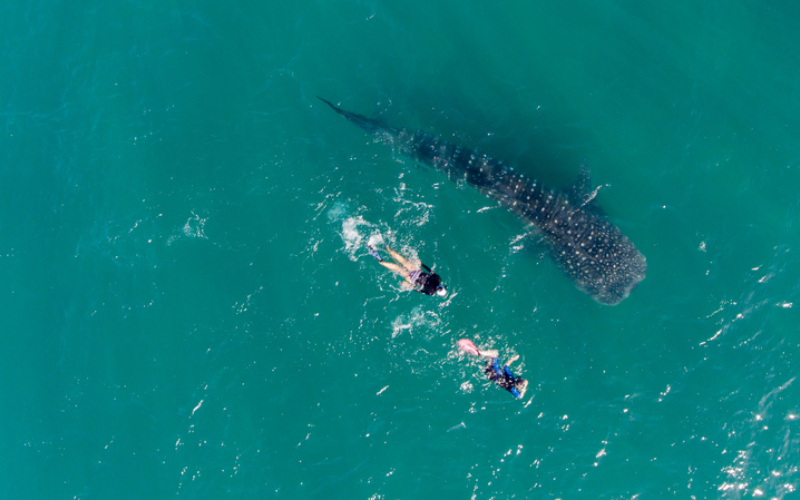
(188, 308)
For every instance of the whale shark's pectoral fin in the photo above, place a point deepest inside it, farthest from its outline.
(580, 193)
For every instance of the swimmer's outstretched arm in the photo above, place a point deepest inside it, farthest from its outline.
(489, 354)
(402, 260)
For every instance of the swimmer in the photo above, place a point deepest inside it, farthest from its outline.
(419, 277)
(501, 376)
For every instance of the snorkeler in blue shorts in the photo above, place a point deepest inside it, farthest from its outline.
(505, 378)
(502, 376)
(419, 277)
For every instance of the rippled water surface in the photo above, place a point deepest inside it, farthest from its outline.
(189, 309)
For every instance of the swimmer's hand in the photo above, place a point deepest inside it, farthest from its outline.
(522, 388)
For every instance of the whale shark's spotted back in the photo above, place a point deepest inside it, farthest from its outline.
(588, 248)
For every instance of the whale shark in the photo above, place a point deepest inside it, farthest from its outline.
(589, 249)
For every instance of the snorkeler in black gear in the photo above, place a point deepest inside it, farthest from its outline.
(503, 377)
(419, 277)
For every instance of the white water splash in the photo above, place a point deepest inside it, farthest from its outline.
(417, 319)
(351, 235)
(356, 232)
(194, 229)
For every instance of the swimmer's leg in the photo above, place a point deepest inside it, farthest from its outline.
(513, 358)
(407, 284)
(402, 260)
(489, 354)
(395, 269)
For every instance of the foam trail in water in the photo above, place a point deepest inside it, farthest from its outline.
(194, 228)
(356, 232)
(417, 319)
(375, 240)
(351, 235)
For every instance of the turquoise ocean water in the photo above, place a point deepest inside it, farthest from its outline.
(188, 308)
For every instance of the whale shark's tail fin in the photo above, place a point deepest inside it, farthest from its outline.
(367, 124)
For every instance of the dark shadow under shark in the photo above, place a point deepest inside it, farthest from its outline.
(588, 248)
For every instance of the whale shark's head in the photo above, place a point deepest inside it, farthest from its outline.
(597, 257)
